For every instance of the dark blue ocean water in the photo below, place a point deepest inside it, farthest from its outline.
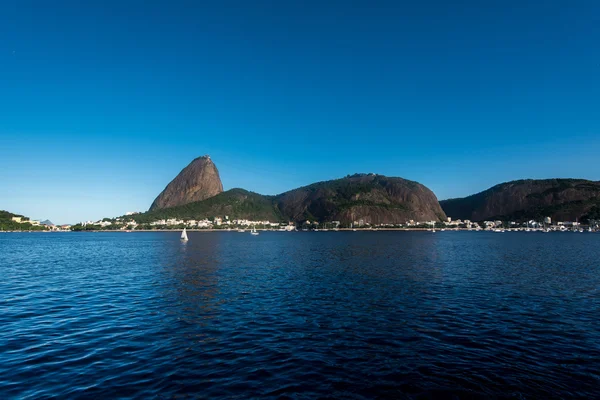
(300, 315)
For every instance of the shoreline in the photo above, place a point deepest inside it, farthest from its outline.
(269, 230)
(236, 231)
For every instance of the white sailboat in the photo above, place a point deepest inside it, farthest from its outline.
(253, 231)
(433, 227)
(184, 237)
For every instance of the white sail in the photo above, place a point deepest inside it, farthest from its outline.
(184, 235)
(253, 231)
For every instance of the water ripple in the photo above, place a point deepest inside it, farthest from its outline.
(303, 315)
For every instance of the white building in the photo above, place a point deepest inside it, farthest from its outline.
(568, 223)
(204, 224)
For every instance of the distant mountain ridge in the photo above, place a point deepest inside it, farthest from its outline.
(197, 193)
(560, 199)
(371, 198)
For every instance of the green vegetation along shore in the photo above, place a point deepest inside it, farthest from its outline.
(10, 222)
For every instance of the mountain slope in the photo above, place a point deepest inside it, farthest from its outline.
(234, 203)
(376, 199)
(198, 181)
(560, 199)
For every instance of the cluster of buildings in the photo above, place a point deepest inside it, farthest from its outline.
(216, 222)
(22, 220)
(227, 223)
(101, 223)
(546, 225)
(33, 222)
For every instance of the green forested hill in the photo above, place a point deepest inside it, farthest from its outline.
(7, 224)
(235, 203)
(375, 199)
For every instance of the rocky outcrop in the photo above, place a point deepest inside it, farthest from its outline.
(560, 199)
(374, 199)
(198, 181)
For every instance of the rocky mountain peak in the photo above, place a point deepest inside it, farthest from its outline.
(198, 181)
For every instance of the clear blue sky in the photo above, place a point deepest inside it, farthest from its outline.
(102, 104)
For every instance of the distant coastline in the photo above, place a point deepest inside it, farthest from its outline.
(398, 229)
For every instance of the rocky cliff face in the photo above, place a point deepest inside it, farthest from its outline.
(560, 199)
(375, 199)
(198, 181)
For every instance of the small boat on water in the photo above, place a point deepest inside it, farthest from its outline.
(253, 232)
(184, 237)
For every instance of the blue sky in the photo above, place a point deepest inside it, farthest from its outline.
(102, 104)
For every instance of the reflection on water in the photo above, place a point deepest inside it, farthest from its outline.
(340, 314)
